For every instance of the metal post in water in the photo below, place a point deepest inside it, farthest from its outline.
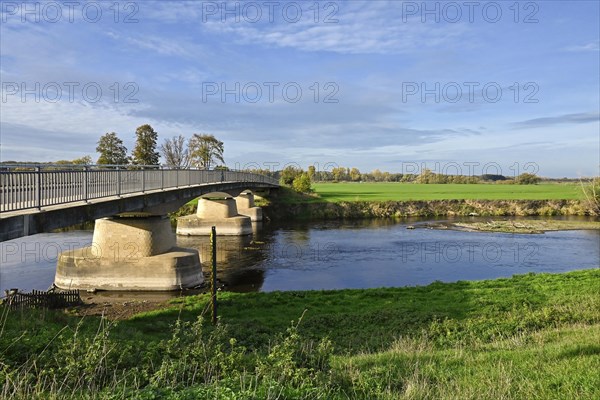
(213, 275)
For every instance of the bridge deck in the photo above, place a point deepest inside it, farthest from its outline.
(34, 200)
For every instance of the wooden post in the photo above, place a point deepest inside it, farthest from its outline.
(213, 275)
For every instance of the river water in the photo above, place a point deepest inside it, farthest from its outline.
(337, 255)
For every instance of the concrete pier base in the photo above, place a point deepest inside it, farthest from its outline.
(220, 212)
(245, 206)
(191, 225)
(132, 253)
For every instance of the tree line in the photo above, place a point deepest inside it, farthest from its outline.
(344, 174)
(201, 150)
(288, 175)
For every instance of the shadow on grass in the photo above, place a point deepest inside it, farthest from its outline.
(368, 320)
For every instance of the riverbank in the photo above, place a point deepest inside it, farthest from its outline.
(523, 337)
(401, 200)
(276, 210)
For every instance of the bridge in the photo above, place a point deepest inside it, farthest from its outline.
(41, 198)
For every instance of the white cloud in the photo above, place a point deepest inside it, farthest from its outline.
(372, 33)
(372, 27)
(591, 47)
(159, 45)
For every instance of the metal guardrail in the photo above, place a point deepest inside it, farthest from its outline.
(24, 186)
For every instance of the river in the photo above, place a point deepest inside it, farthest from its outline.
(338, 255)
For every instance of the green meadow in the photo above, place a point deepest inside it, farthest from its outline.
(334, 192)
(529, 336)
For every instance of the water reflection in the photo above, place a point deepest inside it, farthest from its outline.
(338, 254)
(30, 262)
(237, 257)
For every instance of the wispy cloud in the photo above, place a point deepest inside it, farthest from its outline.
(577, 118)
(159, 45)
(376, 29)
(588, 47)
(351, 38)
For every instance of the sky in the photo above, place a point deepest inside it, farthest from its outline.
(457, 87)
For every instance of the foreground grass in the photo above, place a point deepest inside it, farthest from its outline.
(530, 336)
(335, 192)
(560, 363)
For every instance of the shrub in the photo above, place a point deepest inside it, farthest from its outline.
(302, 183)
(527, 179)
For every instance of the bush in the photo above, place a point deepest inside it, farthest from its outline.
(289, 174)
(527, 179)
(302, 183)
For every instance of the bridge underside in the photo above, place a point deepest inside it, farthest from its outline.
(159, 202)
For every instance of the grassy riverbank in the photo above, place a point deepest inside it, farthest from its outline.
(531, 336)
(400, 200)
(336, 192)
(276, 209)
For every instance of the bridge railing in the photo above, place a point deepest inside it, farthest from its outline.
(24, 186)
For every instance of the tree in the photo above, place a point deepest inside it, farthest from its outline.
(302, 183)
(312, 171)
(111, 150)
(527, 179)
(427, 176)
(355, 174)
(175, 152)
(144, 152)
(338, 173)
(85, 160)
(493, 177)
(204, 150)
(289, 174)
(377, 175)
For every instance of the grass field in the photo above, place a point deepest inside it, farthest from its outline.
(409, 191)
(530, 336)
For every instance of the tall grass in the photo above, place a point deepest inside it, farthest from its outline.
(532, 336)
(591, 192)
(194, 361)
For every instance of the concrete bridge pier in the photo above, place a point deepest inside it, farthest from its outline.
(245, 206)
(130, 253)
(216, 211)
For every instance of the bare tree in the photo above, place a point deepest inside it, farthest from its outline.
(175, 152)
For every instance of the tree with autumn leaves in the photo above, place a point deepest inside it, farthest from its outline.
(202, 151)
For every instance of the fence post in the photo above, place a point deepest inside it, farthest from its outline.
(162, 178)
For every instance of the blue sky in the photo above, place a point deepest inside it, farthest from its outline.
(371, 61)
